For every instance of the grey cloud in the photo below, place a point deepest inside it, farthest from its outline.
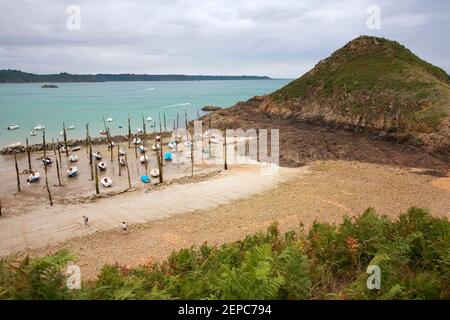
(271, 37)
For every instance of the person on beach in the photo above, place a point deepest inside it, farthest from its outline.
(124, 226)
(86, 221)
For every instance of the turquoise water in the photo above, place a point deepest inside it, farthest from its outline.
(79, 103)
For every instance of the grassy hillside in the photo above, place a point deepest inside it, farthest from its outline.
(328, 262)
(373, 78)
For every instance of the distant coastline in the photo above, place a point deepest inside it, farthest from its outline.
(16, 76)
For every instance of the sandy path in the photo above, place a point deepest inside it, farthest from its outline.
(47, 225)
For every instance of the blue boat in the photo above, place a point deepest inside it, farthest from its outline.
(168, 156)
(145, 179)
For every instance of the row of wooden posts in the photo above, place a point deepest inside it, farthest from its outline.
(94, 169)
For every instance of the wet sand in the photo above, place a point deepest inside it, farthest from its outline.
(77, 189)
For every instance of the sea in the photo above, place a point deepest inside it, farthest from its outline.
(76, 104)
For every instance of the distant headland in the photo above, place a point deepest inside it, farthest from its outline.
(16, 76)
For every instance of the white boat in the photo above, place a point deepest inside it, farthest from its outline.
(39, 127)
(172, 144)
(122, 162)
(61, 133)
(47, 160)
(73, 158)
(142, 149)
(122, 152)
(149, 119)
(154, 172)
(188, 144)
(72, 172)
(112, 144)
(136, 141)
(102, 166)
(34, 177)
(139, 131)
(109, 120)
(104, 132)
(156, 147)
(158, 138)
(97, 155)
(76, 148)
(143, 159)
(70, 128)
(106, 182)
(13, 127)
(33, 133)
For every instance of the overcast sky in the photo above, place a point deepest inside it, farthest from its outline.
(279, 38)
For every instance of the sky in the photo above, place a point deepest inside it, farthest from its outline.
(278, 38)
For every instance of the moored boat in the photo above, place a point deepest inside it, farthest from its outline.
(143, 159)
(154, 172)
(97, 155)
(106, 182)
(136, 141)
(33, 133)
(73, 158)
(39, 127)
(72, 172)
(34, 177)
(13, 126)
(101, 166)
(47, 160)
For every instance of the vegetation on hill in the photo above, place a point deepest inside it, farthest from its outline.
(373, 82)
(15, 76)
(328, 262)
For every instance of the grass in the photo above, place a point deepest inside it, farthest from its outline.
(326, 262)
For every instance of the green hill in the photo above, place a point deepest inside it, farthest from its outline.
(373, 83)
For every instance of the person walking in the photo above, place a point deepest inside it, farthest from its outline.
(86, 221)
(124, 226)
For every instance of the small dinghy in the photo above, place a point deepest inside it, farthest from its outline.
(154, 173)
(172, 144)
(149, 119)
(142, 149)
(158, 138)
(72, 172)
(143, 159)
(33, 133)
(106, 182)
(63, 149)
(61, 133)
(122, 162)
(13, 127)
(188, 144)
(102, 166)
(104, 132)
(145, 179)
(34, 177)
(168, 156)
(70, 128)
(76, 148)
(97, 155)
(122, 152)
(73, 158)
(109, 120)
(47, 161)
(39, 127)
(112, 144)
(136, 141)
(139, 131)
(156, 147)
